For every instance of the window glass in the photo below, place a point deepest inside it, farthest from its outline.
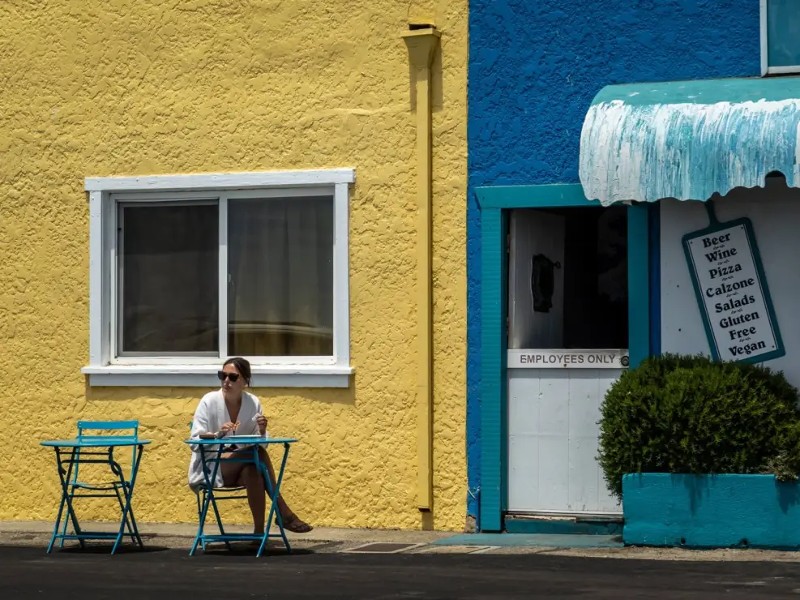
(168, 278)
(280, 280)
(783, 34)
(568, 278)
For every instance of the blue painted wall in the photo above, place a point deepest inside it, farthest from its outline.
(535, 67)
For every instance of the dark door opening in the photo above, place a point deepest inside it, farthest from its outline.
(568, 278)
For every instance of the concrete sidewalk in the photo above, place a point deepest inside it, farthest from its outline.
(324, 540)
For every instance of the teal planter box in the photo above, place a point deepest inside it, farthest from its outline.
(710, 511)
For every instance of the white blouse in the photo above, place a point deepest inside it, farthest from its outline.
(210, 416)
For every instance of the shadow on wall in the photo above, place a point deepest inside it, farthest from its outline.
(788, 495)
(697, 488)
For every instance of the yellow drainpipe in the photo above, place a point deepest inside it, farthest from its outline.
(422, 42)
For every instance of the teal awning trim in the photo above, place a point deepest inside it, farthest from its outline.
(689, 139)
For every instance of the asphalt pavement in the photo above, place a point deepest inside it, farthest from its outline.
(160, 572)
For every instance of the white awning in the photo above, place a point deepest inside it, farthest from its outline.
(689, 139)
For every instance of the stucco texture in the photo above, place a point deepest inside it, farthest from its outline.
(124, 87)
(534, 68)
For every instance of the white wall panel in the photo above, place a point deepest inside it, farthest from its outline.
(553, 430)
(775, 214)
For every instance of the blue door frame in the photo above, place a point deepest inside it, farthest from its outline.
(643, 323)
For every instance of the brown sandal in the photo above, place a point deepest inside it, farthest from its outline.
(295, 525)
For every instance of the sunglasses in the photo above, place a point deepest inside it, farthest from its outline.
(223, 375)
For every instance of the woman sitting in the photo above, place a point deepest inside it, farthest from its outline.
(232, 410)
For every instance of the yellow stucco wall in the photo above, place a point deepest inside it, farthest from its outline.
(127, 87)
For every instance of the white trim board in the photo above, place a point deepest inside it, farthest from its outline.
(220, 181)
(105, 369)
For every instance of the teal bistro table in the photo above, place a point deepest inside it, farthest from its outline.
(98, 450)
(211, 453)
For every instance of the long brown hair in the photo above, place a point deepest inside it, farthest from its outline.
(242, 365)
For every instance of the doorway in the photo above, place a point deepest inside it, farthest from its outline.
(567, 340)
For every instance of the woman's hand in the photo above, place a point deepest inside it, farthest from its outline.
(228, 428)
(261, 421)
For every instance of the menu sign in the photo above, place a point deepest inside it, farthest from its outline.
(732, 292)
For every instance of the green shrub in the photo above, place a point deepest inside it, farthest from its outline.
(689, 414)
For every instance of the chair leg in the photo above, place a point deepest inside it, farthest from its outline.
(64, 528)
(199, 516)
(70, 516)
(122, 508)
(130, 521)
(134, 529)
(202, 513)
(219, 520)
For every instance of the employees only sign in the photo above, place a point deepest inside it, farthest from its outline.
(732, 292)
(570, 359)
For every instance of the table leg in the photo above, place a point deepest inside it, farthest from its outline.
(208, 498)
(72, 475)
(275, 494)
(66, 499)
(121, 490)
(133, 530)
(127, 490)
(63, 479)
(201, 522)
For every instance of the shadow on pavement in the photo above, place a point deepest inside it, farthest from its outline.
(235, 552)
(106, 549)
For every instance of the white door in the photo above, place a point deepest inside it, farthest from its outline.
(567, 286)
(553, 435)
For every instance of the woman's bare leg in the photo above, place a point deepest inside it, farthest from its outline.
(245, 474)
(254, 482)
(282, 506)
(231, 471)
(287, 514)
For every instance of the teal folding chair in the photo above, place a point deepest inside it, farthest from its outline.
(124, 477)
(219, 493)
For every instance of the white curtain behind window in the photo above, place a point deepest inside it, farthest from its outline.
(280, 259)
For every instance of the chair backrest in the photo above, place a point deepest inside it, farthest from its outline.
(93, 430)
(100, 430)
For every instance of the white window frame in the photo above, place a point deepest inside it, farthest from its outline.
(105, 195)
(765, 68)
